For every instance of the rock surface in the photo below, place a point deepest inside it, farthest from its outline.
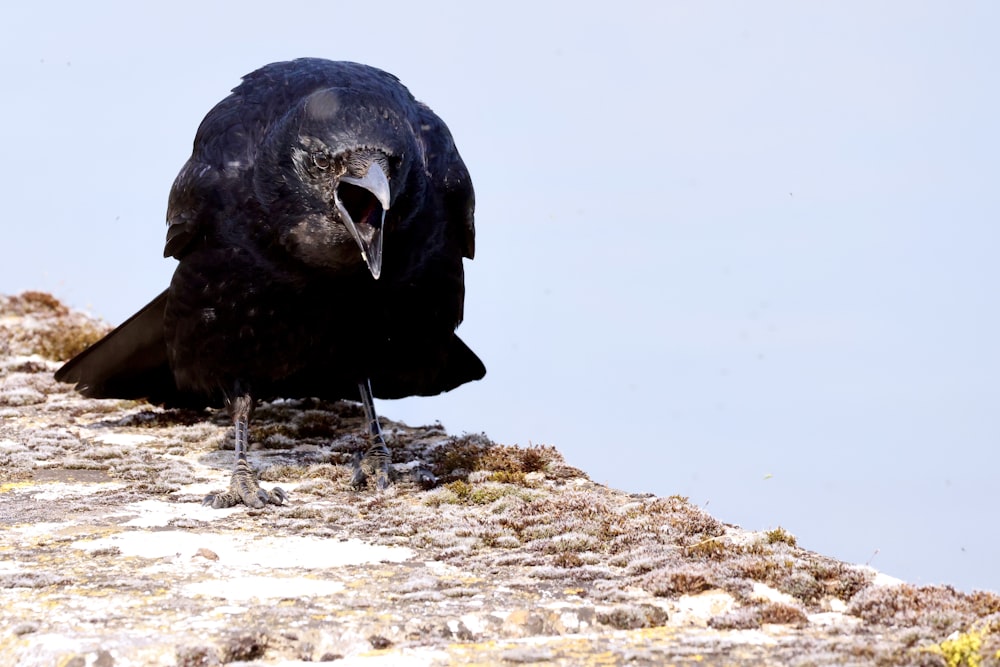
(107, 557)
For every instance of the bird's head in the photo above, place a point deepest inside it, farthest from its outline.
(354, 185)
(340, 160)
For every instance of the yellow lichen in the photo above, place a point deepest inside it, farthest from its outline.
(963, 649)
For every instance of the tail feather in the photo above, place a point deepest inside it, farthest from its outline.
(457, 364)
(130, 362)
(463, 366)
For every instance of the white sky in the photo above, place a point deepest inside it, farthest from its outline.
(716, 241)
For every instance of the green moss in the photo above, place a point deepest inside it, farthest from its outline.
(780, 535)
(486, 495)
(476, 494)
(460, 488)
(507, 477)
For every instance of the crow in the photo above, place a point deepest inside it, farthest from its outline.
(320, 227)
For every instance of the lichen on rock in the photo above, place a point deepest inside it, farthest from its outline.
(516, 557)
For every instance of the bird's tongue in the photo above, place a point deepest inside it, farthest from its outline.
(363, 203)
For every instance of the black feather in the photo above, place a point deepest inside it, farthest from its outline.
(271, 295)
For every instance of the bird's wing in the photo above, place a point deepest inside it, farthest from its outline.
(218, 174)
(130, 362)
(188, 209)
(451, 178)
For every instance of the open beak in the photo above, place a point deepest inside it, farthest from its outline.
(362, 203)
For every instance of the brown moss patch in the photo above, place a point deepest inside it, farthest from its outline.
(939, 608)
(33, 303)
(37, 323)
(751, 617)
(511, 459)
(458, 457)
(673, 582)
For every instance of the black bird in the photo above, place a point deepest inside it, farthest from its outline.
(320, 227)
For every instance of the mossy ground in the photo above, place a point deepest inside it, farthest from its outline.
(512, 543)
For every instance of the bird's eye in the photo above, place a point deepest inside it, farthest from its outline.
(321, 161)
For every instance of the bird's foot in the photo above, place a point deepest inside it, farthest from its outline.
(373, 463)
(423, 477)
(244, 488)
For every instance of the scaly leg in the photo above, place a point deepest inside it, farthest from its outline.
(243, 487)
(375, 461)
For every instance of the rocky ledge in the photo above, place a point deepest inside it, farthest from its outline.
(108, 558)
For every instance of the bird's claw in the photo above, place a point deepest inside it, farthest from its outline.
(374, 463)
(424, 478)
(244, 488)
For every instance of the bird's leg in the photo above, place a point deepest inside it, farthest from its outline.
(375, 461)
(243, 487)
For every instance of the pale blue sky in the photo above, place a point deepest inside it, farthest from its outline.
(745, 252)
